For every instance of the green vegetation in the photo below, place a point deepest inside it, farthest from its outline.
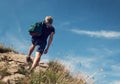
(55, 74)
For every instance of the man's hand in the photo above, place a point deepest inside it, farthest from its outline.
(49, 43)
(46, 51)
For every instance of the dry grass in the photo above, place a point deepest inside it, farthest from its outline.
(4, 49)
(55, 74)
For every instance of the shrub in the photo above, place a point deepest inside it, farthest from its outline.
(55, 74)
(4, 49)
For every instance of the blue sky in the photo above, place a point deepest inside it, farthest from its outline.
(87, 37)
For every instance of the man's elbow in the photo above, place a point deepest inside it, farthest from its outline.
(51, 38)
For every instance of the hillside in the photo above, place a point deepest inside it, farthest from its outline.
(14, 70)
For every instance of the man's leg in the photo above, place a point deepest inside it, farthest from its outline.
(28, 59)
(31, 50)
(36, 60)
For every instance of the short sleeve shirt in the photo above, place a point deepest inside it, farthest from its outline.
(46, 31)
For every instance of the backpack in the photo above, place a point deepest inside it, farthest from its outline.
(36, 29)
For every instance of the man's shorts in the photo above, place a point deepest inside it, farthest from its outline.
(39, 44)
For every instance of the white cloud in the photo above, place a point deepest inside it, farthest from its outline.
(116, 82)
(88, 62)
(102, 33)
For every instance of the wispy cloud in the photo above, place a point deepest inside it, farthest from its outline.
(116, 82)
(102, 33)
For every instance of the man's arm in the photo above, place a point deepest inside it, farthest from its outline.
(49, 42)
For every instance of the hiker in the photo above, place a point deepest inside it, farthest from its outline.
(40, 41)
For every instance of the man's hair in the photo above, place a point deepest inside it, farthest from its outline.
(49, 19)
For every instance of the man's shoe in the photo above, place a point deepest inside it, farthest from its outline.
(28, 59)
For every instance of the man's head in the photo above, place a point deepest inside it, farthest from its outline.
(49, 19)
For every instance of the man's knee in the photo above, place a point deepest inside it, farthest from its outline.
(38, 54)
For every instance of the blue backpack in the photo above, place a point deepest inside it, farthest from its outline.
(36, 29)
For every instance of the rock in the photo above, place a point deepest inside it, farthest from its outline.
(13, 79)
(42, 67)
(3, 64)
(13, 67)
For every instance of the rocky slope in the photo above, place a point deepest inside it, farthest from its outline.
(13, 67)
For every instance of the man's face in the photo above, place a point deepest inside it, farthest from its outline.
(48, 24)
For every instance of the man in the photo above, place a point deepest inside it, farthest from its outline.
(41, 41)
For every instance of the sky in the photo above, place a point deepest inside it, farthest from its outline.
(87, 34)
